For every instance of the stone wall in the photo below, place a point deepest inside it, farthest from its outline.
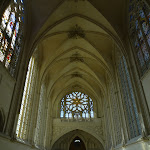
(146, 87)
(93, 127)
(7, 84)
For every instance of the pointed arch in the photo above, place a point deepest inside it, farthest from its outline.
(77, 143)
(85, 136)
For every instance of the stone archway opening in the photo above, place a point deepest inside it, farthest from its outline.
(77, 144)
(77, 140)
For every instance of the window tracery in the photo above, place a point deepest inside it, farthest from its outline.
(41, 119)
(129, 104)
(116, 117)
(25, 110)
(76, 105)
(11, 35)
(108, 126)
(139, 27)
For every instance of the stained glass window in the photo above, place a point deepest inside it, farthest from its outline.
(108, 126)
(129, 104)
(77, 105)
(11, 35)
(139, 26)
(24, 115)
(41, 119)
(116, 117)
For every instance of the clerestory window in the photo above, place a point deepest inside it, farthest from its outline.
(139, 28)
(129, 102)
(76, 105)
(27, 104)
(11, 28)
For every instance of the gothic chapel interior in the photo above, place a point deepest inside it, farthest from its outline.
(74, 75)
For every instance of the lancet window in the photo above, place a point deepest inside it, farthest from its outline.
(115, 117)
(41, 119)
(128, 100)
(108, 125)
(77, 105)
(11, 35)
(27, 102)
(139, 27)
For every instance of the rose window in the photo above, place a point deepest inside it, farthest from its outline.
(76, 105)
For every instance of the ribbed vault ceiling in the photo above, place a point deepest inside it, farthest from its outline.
(78, 63)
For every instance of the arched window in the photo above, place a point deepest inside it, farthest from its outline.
(41, 119)
(27, 102)
(115, 117)
(139, 26)
(76, 105)
(128, 100)
(108, 126)
(11, 35)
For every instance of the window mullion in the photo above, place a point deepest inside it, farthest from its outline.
(131, 99)
(133, 120)
(141, 6)
(126, 102)
(28, 112)
(144, 37)
(25, 97)
(10, 39)
(16, 41)
(4, 35)
(76, 105)
(145, 66)
(116, 117)
(137, 13)
(65, 107)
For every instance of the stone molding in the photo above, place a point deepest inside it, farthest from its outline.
(94, 128)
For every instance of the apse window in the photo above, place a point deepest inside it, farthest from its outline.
(76, 105)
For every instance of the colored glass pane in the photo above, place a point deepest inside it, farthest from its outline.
(148, 16)
(5, 17)
(148, 37)
(11, 24)
(136, 24)
(145, 27)
(1, 35)
(141, 14)
(8, 58)
(10, 40)
(145, 52)
(140, 58)
(2, 55)
(77, 105)
(116, 119)
(131, 112)
(139, 19)
(26, 103)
